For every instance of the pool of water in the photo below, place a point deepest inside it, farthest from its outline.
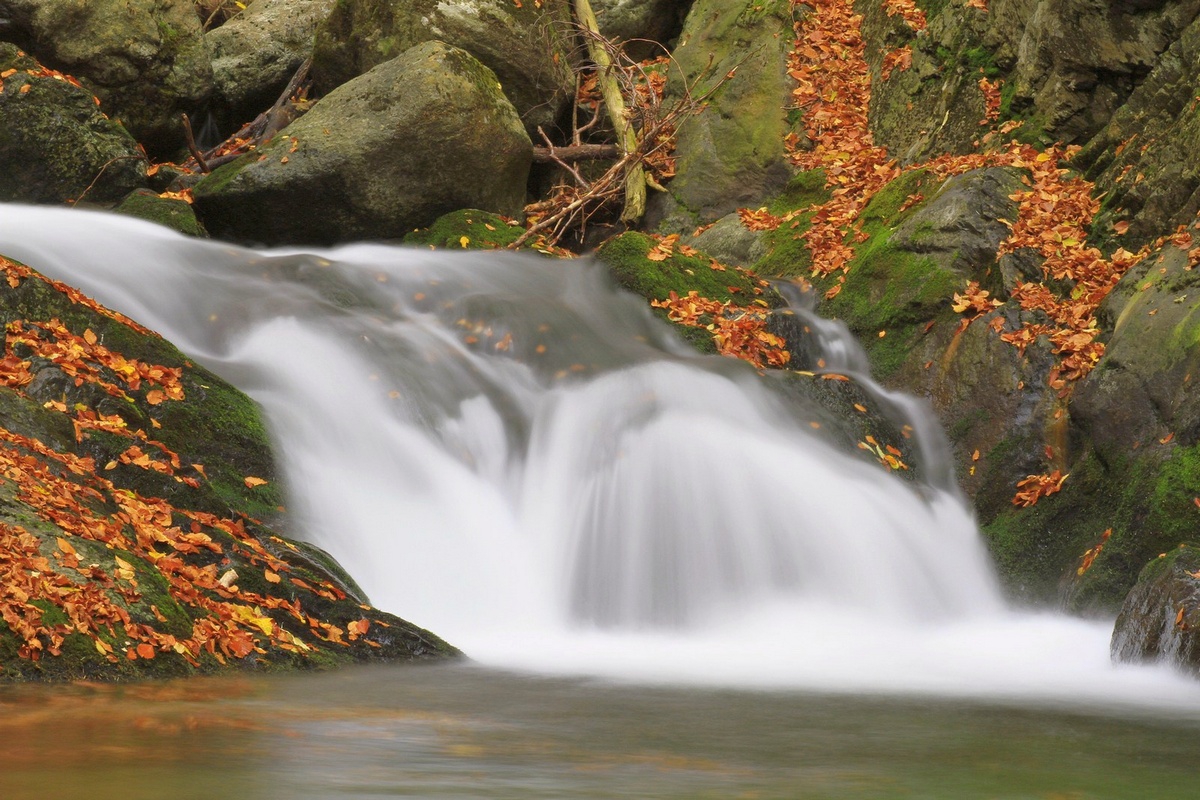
(468, 732)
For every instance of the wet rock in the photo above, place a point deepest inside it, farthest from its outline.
(1160, 619)
(524, 44)
(145, 59)
(416, 137)
(55, 144)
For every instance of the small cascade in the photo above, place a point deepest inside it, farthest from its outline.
(514, 453)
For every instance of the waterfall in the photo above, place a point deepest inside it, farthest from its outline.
(514, 453)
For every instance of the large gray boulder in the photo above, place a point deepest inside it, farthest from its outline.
(732, 156)
(55, 145)
(418, 136)
(526, 46)
(144, 59)
(255, 54)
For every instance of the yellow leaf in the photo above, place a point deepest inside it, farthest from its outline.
(464, 241)
(252, 482)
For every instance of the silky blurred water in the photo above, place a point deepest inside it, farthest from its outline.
(676, 587)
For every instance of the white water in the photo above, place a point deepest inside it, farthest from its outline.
(611, 505)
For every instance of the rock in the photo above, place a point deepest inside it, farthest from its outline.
(1160, 619)
(133, 482)
(644, 26)
(1077, 61)
(1063, 68)
(173, 213)
(524, 44)
(416, 137)
(1132, 450)
(1143, 159)
(255, 54)
(145, 59)
(733, 155)
(730, 242)
(55, 145)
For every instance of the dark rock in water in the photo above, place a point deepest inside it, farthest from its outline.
(145, 59)
(527, 45)
(1160, 619)
(421, 135)
(140, 517)
(55, 145)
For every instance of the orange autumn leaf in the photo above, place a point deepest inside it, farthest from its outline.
(272, 577)
(252, 482)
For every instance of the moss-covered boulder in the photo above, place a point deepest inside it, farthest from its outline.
(527, 45)
(255, 54)
(1160, 619)
(733, 155)
(421, 135)
(169, 211)
(132, 485)
(55, 144)
(145, 59)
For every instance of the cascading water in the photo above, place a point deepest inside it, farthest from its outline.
(516, 455)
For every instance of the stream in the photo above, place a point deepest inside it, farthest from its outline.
(667, 583)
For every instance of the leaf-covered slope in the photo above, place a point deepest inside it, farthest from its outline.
(131, 485)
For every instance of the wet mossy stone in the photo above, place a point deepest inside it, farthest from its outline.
(103, 493)
(167, 211)
(145, 59)
(55, 144)
(467, 229)
(527, 45)
(1160, 618)
(626, 257)
(424, 134)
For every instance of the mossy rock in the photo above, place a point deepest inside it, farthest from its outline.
(140, 501)
(55, 144)
(166, 211)
(626, 256)
(468, 229)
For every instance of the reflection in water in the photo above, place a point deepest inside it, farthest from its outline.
(464, 732)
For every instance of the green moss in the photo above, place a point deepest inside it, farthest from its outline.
(1146, 501)
(626, 255)
(889, 290)
(483, 231)
(174, 214)
(787, 254)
